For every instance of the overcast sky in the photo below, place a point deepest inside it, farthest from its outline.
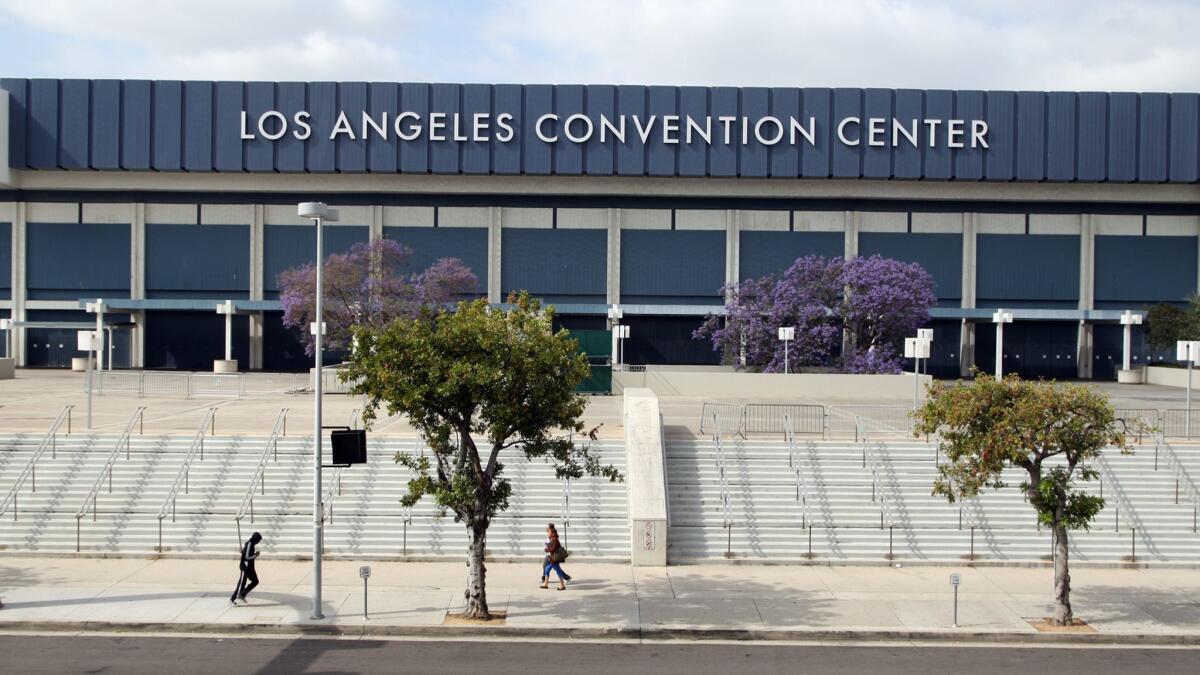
(1146, 45)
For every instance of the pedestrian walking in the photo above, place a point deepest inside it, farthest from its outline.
(249, 577)
(556, 553)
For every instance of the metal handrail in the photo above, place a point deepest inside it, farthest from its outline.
(93, 494)
(30, 470)
(723, 482)
(334, 489)
(1182, 476)
(870, 461)
(354, 418)
(789, 438)
(181, 478)
(260, 469)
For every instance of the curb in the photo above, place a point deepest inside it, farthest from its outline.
(656, 633)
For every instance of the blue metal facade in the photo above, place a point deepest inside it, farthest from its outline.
(1027, 270)
(560, 266)
(286, 246)
(66, 261)
(198, 261)
(428, 244)
(672, 267)
(5, 261)
(763, 253)
(1124, 264)
(940, 255)
(139, 125)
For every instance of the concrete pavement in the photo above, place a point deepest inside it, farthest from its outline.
(1141, 606)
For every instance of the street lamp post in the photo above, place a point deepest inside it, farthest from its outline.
(319, 213)
(619, 332)
(787, 334)
(917, 348)
(1000, 317)
(1188, 350)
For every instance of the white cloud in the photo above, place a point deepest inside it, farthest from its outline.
(988, 44)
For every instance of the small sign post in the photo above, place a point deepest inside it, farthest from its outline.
(955, 579)
(85, 341)
(1188, 350)
(365, 573)
(787, 334)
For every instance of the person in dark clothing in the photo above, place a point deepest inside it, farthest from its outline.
(555, 554)
(249, 578)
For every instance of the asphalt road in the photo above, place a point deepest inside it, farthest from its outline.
(158, 655)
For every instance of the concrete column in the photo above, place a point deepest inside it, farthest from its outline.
(853, 220)
(1087, 294)
(732, 237)
(19, 292)
(495, 225)
(966, 350)
(137, 284)
(614, 257)
(256, 286)
(376, 225)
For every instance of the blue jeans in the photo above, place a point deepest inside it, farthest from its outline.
(548, 566)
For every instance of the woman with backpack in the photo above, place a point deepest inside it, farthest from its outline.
(555, 554)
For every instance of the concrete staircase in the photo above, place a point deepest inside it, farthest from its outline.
(839, 501)
(367, 518)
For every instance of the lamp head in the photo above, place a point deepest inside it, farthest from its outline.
(317, 210)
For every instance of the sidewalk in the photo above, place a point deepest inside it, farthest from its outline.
(1144, 606)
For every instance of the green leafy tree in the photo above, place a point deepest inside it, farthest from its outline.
(476, 381)
(1167, 323)
(1051, 431)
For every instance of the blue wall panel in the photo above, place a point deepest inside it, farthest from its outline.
(1122, 265)
(939, 253)
(1060, 136)
(763, 252)
(18, 109)
(568, 156)
(557, 265)
(290, 151)
(1026, 267)
(1185, 138)
(197, 261)
(672, 266)
(72, 260)
(259, 154)
(73, 123)
(443, 154)
(195, 125)
(193, 340)
(198, 135)
(722, 158)
(5, 261)
(429, 244)
(477, 155)
(167, 139)
(660, 156)
(286, 246)
(105, 132)
(228, 103)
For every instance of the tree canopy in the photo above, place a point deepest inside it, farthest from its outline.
(875, 302)
(1050, 431)
(476, 382)
(369, 285)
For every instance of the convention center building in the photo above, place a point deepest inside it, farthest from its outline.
(155, 201)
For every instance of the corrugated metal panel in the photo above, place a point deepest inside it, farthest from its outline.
(667, 340)
(1033, 136)
(940, 255)
(722, 159)
(672, 266)
(197, 258)
(428, 244)
(72, 260)
(286, 246)
(5, 261)
(1122, 264)
(1027, 267)
(568, 157)
(555, 264)
(763, 253)
(193, 340)
(600, 157)
(229, 102)
(443, 155)
(105, 131)
(260, 152)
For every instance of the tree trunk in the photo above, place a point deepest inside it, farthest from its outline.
(1063, 615)
(476, 606)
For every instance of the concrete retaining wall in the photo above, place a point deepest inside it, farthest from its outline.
(645, 479)
(722, 383)
(1172, 377)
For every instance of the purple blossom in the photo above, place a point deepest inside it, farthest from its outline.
(368, 285)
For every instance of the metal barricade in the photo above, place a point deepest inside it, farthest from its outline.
(1141, 423)
(878, 420)
(168, 383)
(50, 440)
(769, 418)
(216, 385)
(94, 493)
(1180, 423)
(728, 416)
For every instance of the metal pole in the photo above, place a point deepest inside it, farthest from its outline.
(999, 350)
(955, 607)
(318, 533)
(90, 387)
(364, 598)
(916, 381)
(785, 357)
(1187, 418)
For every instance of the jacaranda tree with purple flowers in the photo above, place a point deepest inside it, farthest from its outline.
(370, 285)
(874, 302)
